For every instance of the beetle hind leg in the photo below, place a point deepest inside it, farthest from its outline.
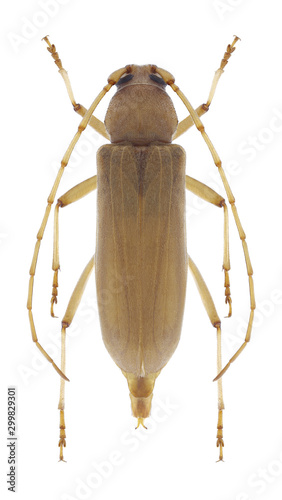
(61, 406)
(66, 322)
(215, 321)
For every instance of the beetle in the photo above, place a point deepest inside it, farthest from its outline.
(141, 231)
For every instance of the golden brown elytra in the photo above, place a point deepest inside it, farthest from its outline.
(141, 231)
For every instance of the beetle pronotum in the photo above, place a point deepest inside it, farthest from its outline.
(141, 231)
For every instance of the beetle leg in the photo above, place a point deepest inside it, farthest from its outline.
(215, 321)
(185, 124)
(208, 194)
(230, 49)
(74, 194)
(81, 110)
(66, 322)
(94, 121)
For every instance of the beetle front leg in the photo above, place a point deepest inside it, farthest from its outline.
(78, 108)
(66, 322)
(216, 323)
(188, 122)
(230, 49)
(74, 194)
(206, 193)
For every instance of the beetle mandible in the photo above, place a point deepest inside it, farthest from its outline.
(141, 234)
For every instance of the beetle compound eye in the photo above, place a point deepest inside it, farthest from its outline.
(125, 79)
(157, 79)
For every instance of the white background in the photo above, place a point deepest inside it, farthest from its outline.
(176, 457)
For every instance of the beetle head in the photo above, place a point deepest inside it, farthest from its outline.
(141, 112)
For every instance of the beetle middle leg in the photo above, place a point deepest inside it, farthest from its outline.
(74, 194)
(208, 194)
(215, 321)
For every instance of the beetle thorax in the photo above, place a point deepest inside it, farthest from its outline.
(141, 112)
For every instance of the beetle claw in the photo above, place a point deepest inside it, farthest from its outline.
(228, 301)
(220, 444)
(62, 444)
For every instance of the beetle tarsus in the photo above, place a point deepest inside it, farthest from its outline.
(53, 51)
(62, 442)
(220, 442)
(228, 299)
(229, 50)
(54, 299)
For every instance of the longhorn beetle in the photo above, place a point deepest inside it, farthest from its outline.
(141, 231)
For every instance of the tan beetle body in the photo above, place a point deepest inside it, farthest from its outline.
(141, 259)
(141, 247)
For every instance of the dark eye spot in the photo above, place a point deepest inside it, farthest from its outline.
(125, 79)
(157, 79)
